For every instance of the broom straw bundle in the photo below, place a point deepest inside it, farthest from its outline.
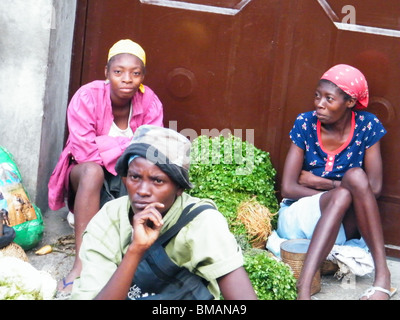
(257, 221)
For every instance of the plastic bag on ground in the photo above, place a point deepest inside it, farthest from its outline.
(24, 217)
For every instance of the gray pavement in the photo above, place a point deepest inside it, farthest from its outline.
(354, 287)
(60, 261)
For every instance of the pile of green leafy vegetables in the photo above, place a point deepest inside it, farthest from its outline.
(231, 171)
(271, 279)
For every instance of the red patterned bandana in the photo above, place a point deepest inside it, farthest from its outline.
(351, 81)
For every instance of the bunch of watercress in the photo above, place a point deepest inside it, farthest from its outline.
(271, 279)
(230, 171)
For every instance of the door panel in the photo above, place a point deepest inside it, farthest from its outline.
(253, 64)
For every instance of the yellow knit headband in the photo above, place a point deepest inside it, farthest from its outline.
(127, 46)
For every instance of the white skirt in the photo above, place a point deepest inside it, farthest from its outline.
(298, 219)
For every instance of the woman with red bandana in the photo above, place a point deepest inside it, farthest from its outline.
(333, 176)
(102, 118)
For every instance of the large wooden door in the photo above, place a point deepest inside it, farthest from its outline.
(254, 64)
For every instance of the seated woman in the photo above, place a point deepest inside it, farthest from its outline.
(333, 176)
(102, 117)
(154, 169)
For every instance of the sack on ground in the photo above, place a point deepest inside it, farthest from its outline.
(24, 217)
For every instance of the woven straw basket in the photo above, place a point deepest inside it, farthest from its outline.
(293, 252)
(14, 250)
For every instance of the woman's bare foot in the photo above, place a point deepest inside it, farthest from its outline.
(377, 293)
(65, 284)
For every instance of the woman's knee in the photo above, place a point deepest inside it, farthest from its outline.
(88, 173)
(355, 179)
(338, 200)
(354, 175)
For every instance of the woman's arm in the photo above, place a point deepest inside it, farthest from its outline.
(292, 186)
(373, 168)
(310, 180)
(236, 285)
(81, 115)
(144, 235)
(86, 140)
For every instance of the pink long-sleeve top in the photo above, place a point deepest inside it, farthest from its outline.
(90, 118)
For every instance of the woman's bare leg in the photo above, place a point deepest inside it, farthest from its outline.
(86, 181)
(356, 194)
(334, 205)
(369, 225)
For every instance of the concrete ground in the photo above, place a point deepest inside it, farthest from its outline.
(354, 287)
(59, 234)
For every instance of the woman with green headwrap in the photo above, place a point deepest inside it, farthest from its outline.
(127, 230)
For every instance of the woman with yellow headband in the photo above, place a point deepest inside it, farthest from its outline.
(102, 117)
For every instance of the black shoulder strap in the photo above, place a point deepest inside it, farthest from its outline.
(185, 218)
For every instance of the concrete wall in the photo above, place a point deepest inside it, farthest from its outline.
(35, 54)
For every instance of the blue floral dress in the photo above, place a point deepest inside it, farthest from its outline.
(366, 131)
(297, 219)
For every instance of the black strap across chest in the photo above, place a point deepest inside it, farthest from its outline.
(159, 278)
(187, 215)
